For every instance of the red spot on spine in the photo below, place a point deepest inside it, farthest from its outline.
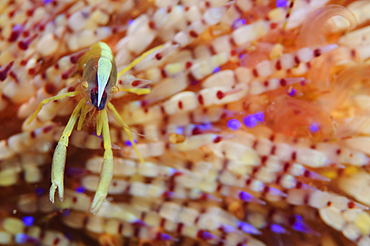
(136, 231)
(351, 205)
(179, 105)
(158, 56)
(255, 73)
(294, 155)
(4, 71)
(317, 52)
(14, 76)
(273, 149)
(26, 34)
(196, 131)
(278, 179)
(219, 187)
(200, 99)
(47, 129)
(30, 12)
(151, 24)
(307, 173)
(273, 25)
(188, 65)
(163, 73)
(163, 221)
(179, 228)
(283, 82)
(286, 166)
(135, 83)
(120, 228)
(220, 95)
(278, 65)
(217, 139)
(296, 60)
(16, 31)
(31, 71)
(23, 45)
(56, 241)
(74, 59)
(193, 34)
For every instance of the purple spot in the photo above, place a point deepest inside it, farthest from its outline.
(68, 235)
(238, 22)
(21, 238)
(277, 229)
(259, 116)
(300, 226)
(66, 212)
(75, 172)
(80, 189)
(247, 228)
(128, 142)
(292, 92)
(206, 235)
(281, 3)
(206, 126)
(47, 1)
(228, 229)
(217, 69)
(252, 119)
(314, 128)
(130, 22)
(234, 124)
(28, 220)
(194, 82)
(180, 130)
(138, 223)
(39, 192)
(164, 237)
(245, 196)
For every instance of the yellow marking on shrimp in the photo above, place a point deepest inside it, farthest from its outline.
(137, 60)
(50, 99)
(99, 83)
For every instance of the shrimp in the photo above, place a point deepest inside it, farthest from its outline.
(98, 85)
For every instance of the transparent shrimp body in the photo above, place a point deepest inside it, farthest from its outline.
(97, 88)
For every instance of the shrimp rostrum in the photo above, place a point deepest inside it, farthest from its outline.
(98, 85)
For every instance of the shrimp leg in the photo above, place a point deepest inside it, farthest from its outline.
(107, 168)
(126, 128)
(50, 99)
(59, 157)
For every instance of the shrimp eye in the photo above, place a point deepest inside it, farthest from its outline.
(115, 89)
(94, 99)
(85, 85)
